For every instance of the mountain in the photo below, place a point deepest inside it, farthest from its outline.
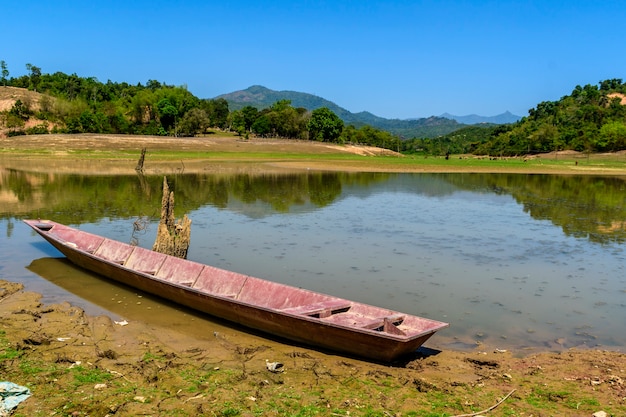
(472, 119)
(262, 97)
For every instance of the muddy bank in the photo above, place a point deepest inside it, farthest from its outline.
(80, 365)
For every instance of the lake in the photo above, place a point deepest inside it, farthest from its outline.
(512, 261)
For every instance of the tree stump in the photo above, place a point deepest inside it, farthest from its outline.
(173, 236)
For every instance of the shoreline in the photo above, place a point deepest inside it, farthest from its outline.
(141, 368)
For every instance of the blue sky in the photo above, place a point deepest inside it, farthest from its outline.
(396, 59)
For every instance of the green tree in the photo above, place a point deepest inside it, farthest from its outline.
(237, 123)
(153, 85)
(5, 72)
(217, 111)
(249, 115)
(194, 122)
(261, 126)
(34, 76)
(167, 114)
(612, 136)
(20, 109)
(324, 125)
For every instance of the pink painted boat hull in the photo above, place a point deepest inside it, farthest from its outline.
(300, 315)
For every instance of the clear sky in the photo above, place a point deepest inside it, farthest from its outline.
(396, 59)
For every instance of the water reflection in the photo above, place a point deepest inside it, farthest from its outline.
(582, 206)
(519, 260)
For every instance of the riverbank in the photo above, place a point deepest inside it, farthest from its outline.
(226, 153)
(80, 365)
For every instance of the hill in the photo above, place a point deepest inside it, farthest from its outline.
(590, 119)
(9, 95)
(262, 97)
(31, 103)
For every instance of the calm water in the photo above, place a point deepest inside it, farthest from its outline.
(514, 261)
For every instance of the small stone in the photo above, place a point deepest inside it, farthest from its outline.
(140, 399)
(507, 376)
(600, 414)
(100, 386)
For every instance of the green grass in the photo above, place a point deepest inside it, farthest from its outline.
(383, 162)
(84, 375)
(7, 352)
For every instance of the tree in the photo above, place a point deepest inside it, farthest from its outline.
(217, 111)
(249, 115)
(608, 85)
(237, 123)
(20, 109)
(324, 125)
(193, 122)
(261, 126)
(153, 85)
(167, 113)
(612, 136)
(35, 75)
(5, 72)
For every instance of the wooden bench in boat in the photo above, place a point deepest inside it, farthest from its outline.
(387, 324)
(320, 309)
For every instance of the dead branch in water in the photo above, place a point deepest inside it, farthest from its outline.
(142, 158)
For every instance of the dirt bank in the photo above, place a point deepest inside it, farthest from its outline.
(225, 153)
(78, 365)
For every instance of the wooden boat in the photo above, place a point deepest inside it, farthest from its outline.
(300, 315)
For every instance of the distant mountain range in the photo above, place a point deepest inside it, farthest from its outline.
(262, 97)
(473, 119)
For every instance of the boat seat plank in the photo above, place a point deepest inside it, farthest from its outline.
(387, 323)
(322, 308)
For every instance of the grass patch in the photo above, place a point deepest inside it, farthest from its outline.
(7, 352)
(84, 375)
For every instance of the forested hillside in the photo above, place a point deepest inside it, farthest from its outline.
(262, 98)
(463, 141)
(40, 103)
(591, 119)
(72, 104)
